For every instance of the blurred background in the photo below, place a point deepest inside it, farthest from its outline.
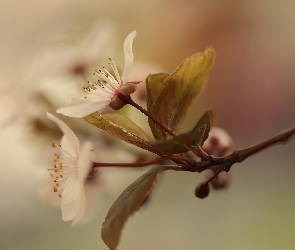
(48, 52)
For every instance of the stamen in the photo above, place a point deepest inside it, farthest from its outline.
(108, 83)
(116, 72)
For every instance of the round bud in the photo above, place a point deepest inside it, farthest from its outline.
(219, 143)
(221, 181)
(202, 190)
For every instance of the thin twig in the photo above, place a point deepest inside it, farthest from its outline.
(178, 158)
(242, 154)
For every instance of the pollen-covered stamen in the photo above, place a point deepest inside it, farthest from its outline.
(108, 78)
(64, 165)
(115, 70)
(108, 85)
(65, 153)
(112, 81)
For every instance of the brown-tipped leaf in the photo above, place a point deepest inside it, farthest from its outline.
(180, 90)
(127, 203)
(122, 128)
(203, 64)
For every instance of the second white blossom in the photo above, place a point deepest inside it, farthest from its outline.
(70, 171)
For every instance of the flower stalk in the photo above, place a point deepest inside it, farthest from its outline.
(185, 161)
(128, 100)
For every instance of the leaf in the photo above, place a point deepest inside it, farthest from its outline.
(154, 86)
(199, 79)
(179, 91)
(122, 128)
(176, 145)
(183, 142)
(126, 204)
(201, 131)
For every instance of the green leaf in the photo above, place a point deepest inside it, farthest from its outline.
(198, 74)
(201, 131)
(154, 86)
(183, 142)
(126, 204)
(122, 128)
(176, 145)
(179, 91)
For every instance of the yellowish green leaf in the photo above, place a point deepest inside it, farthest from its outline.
(201, 131)
(180, 90)
(122, 128)
(183, 142)
(180, 144)
(203, 65)
(154, 86)
(126, 204)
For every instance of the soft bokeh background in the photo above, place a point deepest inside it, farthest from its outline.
(251, 89)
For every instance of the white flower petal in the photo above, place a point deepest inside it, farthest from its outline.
(73, 199)
(83, 109)
(84, 161)
(128, 55)
(90, 97)
(94, 201)
(69, 141)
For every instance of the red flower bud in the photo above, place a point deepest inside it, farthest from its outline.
(202, 190)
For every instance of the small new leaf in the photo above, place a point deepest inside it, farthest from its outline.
(180, 144)
(201, 131)
(126, 204)
(183, 142)
(122, 128)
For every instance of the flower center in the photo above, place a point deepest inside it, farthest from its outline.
(108, 85)
(64, 166)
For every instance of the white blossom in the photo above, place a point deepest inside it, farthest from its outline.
(103, 93)
(72, 167)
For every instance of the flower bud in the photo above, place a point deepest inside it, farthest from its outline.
(219, 143)
(202, 190)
